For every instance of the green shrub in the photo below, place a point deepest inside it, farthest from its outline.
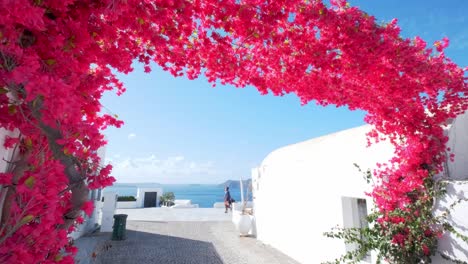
(126, 199)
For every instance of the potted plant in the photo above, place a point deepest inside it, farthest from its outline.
(243, 219)
(167, 199)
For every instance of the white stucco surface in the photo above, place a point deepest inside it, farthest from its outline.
(182, 202)
(457, 188)
(299, 188)
(108, 211)
(218, 205)
(449, 244)
(126, 205)
(458, 143)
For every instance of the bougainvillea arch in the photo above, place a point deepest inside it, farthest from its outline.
(57, 59)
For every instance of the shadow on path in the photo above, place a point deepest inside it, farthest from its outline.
(143, 247)
(178, 243)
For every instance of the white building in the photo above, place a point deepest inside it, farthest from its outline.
(146, 197)
(151, 197)
(303, 190)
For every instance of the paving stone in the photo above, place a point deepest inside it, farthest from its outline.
(182, 242)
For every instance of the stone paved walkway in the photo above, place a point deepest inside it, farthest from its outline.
(184, 243)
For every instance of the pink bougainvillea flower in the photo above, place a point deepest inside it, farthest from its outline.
(88, 208)
(60, 57)
(426, 250)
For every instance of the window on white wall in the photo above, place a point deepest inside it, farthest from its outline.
(354, 216)
(99, 194)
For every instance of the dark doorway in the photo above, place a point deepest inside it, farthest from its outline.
(150, 199)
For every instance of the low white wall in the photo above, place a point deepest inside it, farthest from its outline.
(182, 206)
(239, 205)
(182, 202)
(126, 205)
(218, 205)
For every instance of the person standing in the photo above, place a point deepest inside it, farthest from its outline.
(227, 199)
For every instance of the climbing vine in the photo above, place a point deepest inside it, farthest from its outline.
(57, 58)
(407, 235)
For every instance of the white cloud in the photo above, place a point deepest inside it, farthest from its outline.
(174, 169)
(179, 158)
(131, 136)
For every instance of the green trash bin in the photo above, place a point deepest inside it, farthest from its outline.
(119, 231)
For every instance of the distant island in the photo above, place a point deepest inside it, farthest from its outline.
(235, 184)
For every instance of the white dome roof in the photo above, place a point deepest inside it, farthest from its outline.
(306, 150)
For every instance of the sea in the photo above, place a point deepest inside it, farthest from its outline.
(205, 195)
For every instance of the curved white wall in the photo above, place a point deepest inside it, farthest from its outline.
(299, 188)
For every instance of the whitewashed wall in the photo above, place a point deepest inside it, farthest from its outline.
(108, 210)
(91, 223)
(126, 205)
(449, 244)
(458, 142)
(299, 190)
(457, 188)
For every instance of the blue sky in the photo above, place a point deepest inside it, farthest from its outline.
(182, 131)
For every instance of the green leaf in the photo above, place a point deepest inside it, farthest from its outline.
(12, 109)
(30, 182)
(50, 62)
(28, 142)
(58, 257)
(3, 90)
(26, 219)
